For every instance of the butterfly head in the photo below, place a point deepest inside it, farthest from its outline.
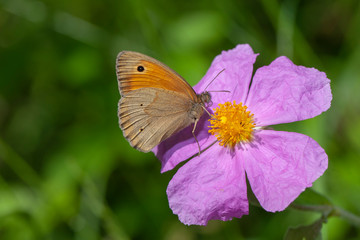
(205, 98)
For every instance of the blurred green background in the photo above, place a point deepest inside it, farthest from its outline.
(66, 172)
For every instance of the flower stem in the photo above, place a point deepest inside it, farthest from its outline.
(348, 216)
(330, 211)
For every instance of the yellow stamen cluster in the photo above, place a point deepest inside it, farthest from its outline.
(232, 124)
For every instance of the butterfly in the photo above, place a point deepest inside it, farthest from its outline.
(156, 102)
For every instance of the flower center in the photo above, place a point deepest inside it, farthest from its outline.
(232, 124)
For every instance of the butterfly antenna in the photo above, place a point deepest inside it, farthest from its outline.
(214, 79)
(219, 91)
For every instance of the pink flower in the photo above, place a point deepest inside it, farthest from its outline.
(279, 165)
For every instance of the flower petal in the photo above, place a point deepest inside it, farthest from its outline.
(212, 186)
(280, 165)
(182, 145)
(238, 65)
(283, 92)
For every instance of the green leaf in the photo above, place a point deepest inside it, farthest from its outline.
(307, 232)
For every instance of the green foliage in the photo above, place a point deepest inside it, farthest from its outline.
(309, 232)
(66, 172)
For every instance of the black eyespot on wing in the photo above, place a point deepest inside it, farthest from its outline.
(140, 68)
(141, 105)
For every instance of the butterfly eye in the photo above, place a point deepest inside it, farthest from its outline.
(140, 68)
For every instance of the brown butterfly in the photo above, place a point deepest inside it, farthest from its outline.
(156, 102)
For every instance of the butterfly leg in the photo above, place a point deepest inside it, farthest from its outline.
(206, 111)
(193, 133)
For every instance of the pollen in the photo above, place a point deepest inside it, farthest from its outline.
(232, 124)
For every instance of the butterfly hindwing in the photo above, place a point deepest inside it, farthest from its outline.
(147, 118)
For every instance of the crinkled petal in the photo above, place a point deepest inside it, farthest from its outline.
(280, 165)
(182, 145)
(212, 186)
(238, 65)
(283, 92)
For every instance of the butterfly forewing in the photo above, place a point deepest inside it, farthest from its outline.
(136, 70)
